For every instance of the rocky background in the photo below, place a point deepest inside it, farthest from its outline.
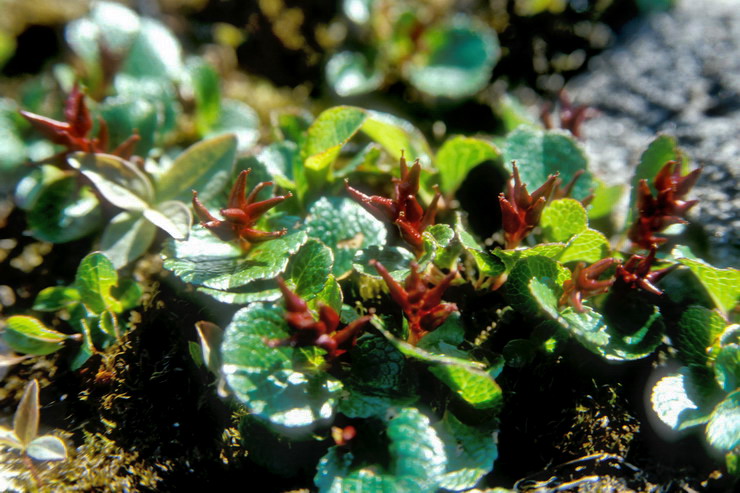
(678, 73)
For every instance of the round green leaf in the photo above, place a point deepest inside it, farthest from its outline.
(263, 378)
(128, 114)
(671, 399)
(329, 132)
(698, 329)
(587, 246)
(310, 268)
(528, 268)
(155, 53)
(539, 154)
(727, 367)
(470, 452)
(562, 219)
(457, 61)
(59, 214)
(28, 335)
(723, 429)
(205, 83)
(457, 156)
(351, 73)
(96, 276)
(723, 285)
(345, 227)
(56, 298)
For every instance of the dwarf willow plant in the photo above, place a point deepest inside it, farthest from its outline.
(408, 398)
(93, 304)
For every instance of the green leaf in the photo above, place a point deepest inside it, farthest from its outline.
(470, 452)
(635, 339)
(440, 247)
(465, 377)
(672, 401)
(108, 324)
(26, 418)
(210, 336)
(126, 238)
(359, 405)
(127, 114)
(95, 278)
(417, 461)
(205, 260)
(723, 429)
(457, 156)
(28, 189)
(450, 333)
(457, 58)
(328, 133)
(207, 91)
(206, 167)
(532, 268)
(118, 181)
(47, 447)
(330, 295)
(345, 227)
(511, 257)
(155, 53)
(604, 199)
(109, 23)
(239, 119)
(519, 352)
(56, 298)
(28, 335)
(539, 154)
(377, 367)
(350, 73)
(475, 387)
(310, 268)
(727, 367)
(698, 330)
(562, 219)
(172, 216)
(59, 214)
(395, 135)
(395, 260)
(587, 246)
(723, 285)
(264, 378)
(128, 292)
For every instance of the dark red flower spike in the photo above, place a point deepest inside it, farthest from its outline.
(240, 214)
(636, 272)
(421, 303)
(584, 283)
(403, 209)
(73, 133)
(322, 333)
(520, 211)
(669, 207)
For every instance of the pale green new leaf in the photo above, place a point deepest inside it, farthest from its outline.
(396, 135)
(56, 298)
(172, 216)
(562, 219)
(329, 132)
(723, 285)
(95, 278)
(28, 335)
(457, 156)
(587, 246)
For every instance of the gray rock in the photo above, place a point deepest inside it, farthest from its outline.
(677, 73)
